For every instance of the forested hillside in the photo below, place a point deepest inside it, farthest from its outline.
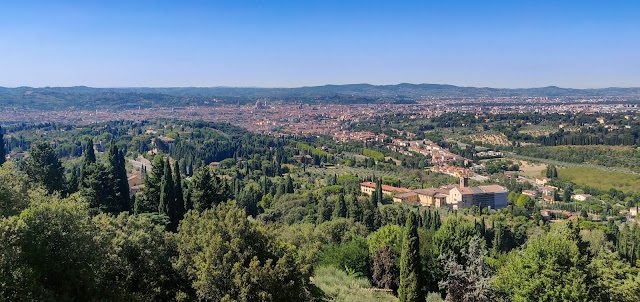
(223, 214)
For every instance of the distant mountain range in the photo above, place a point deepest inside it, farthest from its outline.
(81, 97)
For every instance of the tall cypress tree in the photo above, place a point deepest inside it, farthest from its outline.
(123, 184)
(410, 271)
(323, 210)
(152, 183)
(89, 153)
(289, 185)
(167, 198)
(378, 191)
(497, 239)
(341, 208)
(354, 210)
(179, 203)
(118, 174)
(89, 158)
(3, 151)
(74, 179)
(435, 221)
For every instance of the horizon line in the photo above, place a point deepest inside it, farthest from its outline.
(312, 86)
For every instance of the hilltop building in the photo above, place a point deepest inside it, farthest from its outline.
(455, 197)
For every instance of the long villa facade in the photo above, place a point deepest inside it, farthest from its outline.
(459, 196)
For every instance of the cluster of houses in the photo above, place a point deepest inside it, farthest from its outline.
(542, 188)
(453, 171)
(439, 155)
(457, 196)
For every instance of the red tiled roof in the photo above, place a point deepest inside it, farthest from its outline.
(384, 187)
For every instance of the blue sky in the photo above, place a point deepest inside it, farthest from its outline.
(299, 43)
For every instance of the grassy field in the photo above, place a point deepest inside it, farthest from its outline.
(531, 169)
(603, 180)
(336, 285)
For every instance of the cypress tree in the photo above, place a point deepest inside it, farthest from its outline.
(89, 153)
(3, 151)
(179, 203)
(324, 211)
(427, 217)
(435, 221)
(410, 271)
(74, 179)
(354, 210)
(123, 184)
(289, 185)
(118, 174)
(89, 158)
(167, 199)
(497, 239)
(378, 191)
(203, 191)
(152, 182)
(341, 208)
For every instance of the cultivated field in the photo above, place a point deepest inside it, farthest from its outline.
(603, 180)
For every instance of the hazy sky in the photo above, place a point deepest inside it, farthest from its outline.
(296, 43)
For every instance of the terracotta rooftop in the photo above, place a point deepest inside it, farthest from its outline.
(385, 187)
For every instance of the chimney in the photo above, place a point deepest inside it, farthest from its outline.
(464, 182)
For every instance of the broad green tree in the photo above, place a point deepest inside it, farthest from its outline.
(203, 190)
(13, 190)
(454, 236)
(471, 281)
(43, 167)
(49, 254)
(549, 268)
(227, 257)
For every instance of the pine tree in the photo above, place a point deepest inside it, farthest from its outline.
(410, 270)
(340, 209)
(3, 151)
